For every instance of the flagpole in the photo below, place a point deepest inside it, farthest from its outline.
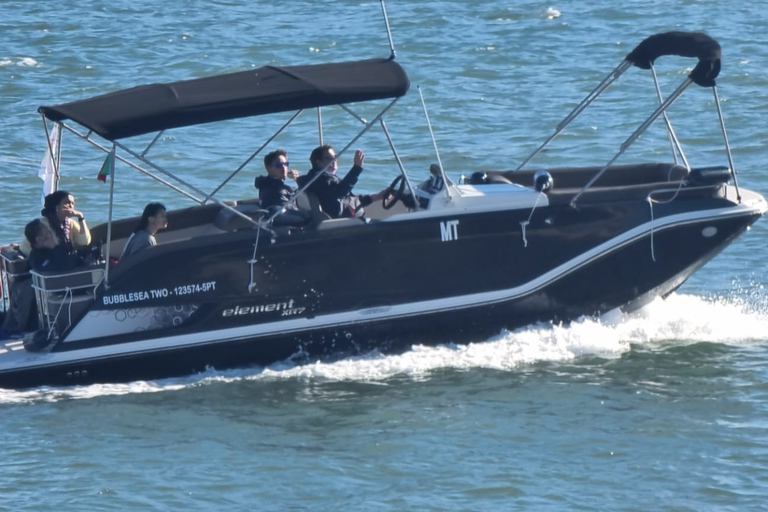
(49, 167)
(57, 160)
(109, 217)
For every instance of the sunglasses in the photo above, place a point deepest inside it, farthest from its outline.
(280, 165)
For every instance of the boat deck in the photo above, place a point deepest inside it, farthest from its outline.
(12, 351)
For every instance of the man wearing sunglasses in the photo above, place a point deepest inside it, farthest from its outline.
(274, 193)
(335, 194)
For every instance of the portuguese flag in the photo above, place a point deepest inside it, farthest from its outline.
(107, 167)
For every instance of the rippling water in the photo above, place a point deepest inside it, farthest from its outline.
(664, 409)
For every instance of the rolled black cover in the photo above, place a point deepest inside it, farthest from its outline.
(685, 44)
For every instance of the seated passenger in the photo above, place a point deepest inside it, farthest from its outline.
(153, 219)
(67, 224)
(275, 195)
(46, 255)
(335, 194)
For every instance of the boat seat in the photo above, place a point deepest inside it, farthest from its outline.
(181, 220)
(494, 179)
(702, 176)
(614, 176)
(309, 202)
(341, 223)
(14, 263)
(227, 220)
(321, 220)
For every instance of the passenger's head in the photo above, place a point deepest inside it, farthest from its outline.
(322, 156)
(153, 218)
(276, 164)
(39, 235)
(58, 205)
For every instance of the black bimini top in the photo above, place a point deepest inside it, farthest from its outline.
(266, 90)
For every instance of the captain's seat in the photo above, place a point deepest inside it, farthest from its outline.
(309, 202)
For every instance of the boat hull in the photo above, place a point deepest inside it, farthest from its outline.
(533, 281)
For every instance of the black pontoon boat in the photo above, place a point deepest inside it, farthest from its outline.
(229, 286)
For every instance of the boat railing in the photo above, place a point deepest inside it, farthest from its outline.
(61, 298)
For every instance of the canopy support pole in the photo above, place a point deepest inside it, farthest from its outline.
(727, 144)
(188, 185)
(248, 160)
(399, 162)
(57, 160)
(320, 126)
(157, 178)
(309, 183)
(353, 114)
(592, 96)
(434, 144)
(674, 142)
(632, 138)
(109, 215)
(392, 53)
(133, 165)
(149, 146)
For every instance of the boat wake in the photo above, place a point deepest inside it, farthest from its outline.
(678, 320)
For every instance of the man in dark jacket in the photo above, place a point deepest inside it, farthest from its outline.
(274, 193)
(335, 194)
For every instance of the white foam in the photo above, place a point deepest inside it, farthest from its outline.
(692, 319)
(27, 62)
(48, 394)
(553, 13)
(680, 319)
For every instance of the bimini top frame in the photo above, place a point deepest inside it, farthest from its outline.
(684, 44)
(157, 107)
(271, 89)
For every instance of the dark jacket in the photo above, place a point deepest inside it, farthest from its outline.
(335, 195)
(58, 259)
(274, 192)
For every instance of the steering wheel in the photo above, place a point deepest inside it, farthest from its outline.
(396, 194)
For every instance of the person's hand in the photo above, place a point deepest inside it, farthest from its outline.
(71, 212)
(293, 174)
(359, 157)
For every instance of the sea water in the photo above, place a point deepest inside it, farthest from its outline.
(664, 409)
